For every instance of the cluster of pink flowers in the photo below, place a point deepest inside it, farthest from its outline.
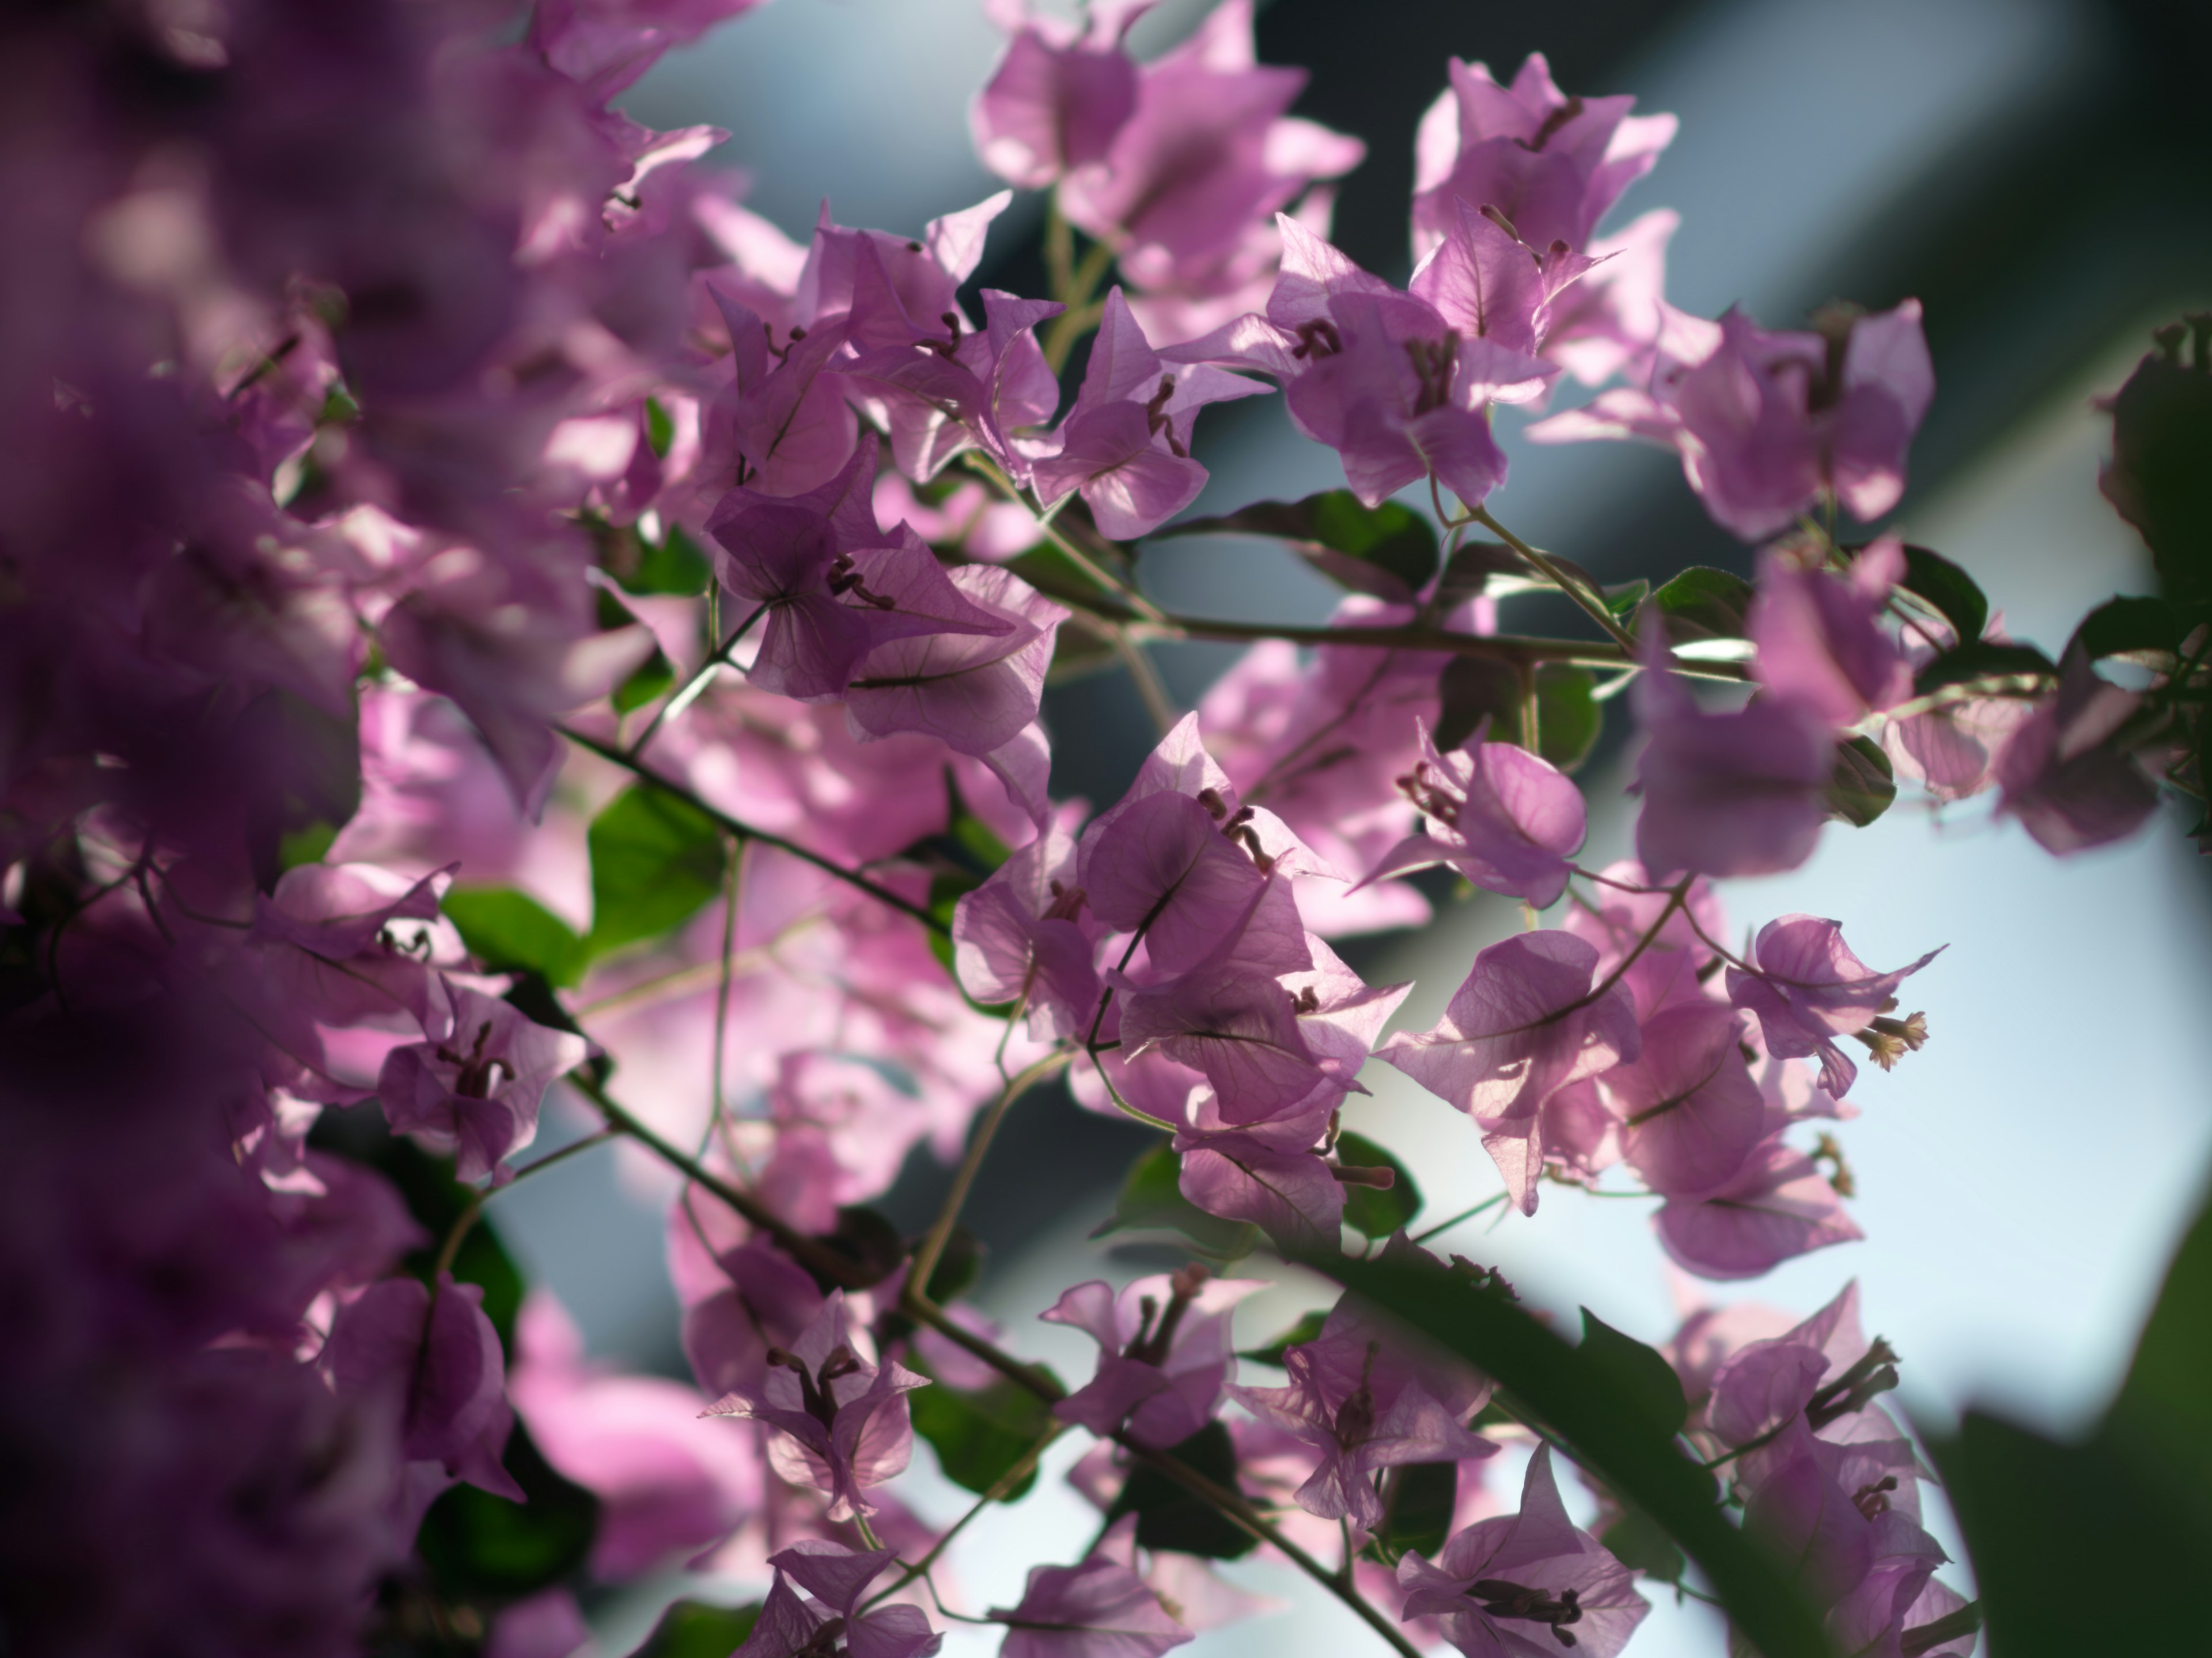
(484, 619)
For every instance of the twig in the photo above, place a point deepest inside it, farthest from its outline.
(933, 1246)
(1592, 602)
(693, 686)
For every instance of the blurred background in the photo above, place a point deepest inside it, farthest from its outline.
(2034, 171)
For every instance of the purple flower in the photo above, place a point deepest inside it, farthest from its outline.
(1098, 1609)
(1506, 819)
(1550, 163)
(1819, 636)
(1810, 989)
(1765, 423)
(815, 1603)
(1741, 793)
(1367, 1404)
(1524, 1024)
(475, 1088)
(1618, 920)
(1525, 1585)
(942, 395)
(1022, 936)
(1163, 1353)
(1126, 445)
(2071, 787)
(1690, 1112)
(1058, 96)
(842, 1422)
(1779, 1205)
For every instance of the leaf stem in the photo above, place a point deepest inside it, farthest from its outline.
(1593, 602)
(697, 684)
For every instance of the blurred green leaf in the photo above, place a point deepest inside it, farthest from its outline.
(656, 861)
(1703, 603)
(510, 931)
(1388, 551)
(1641, 1377)
(1642, 1544)
(1576, 1393)
(2122, 626)
(1568, 715)
(659, 429)
(1981, 659)
(1957, 597)
(648, 680)
(1151, 1199)
(674, 565)
(1373, 1212)
(980, 1436)
(1863, 784)
(1418, 1501)
(478, 1547)
(692, 1628)
(1170, 1517)
(2167, 1396)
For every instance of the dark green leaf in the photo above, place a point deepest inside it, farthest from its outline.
(2167, 1396)
(980, 1436)
(1643, 1381)
(692, 1628)
(1373, 1212)
(1955, 595)
(650, 678)
(869, 1241)
(510, 931)
(1863, 784)
(305, 846)
(1642, 1544)
(674, 564)
(1389, 550)
(1417, 1507)
(1306, 1329)
(1170, 1517)
(957, 1267)
(2161, 433)
(2130, 627)
(1468, 570)
(480, 1547)
(1623, 597)
(659, 429)
(656, 860)
(1703, 603)
(1981, 659)
(1568, 716)
(1580, 1400)
(1151, 1200)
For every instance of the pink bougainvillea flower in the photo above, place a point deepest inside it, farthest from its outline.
(1690, 1113)
(1366, 1405)
(1741, 793)
(1820, 640)
(1165, 864)
(1490, 285)
(476, 1087)
(1779, 1205)
(816, 1601)
(1126, 445)
(1764, 1385)
(1505, 818)
(1164, 1353)
(1765, 423)
(1097, 1609)
(1058, 96)
(1810, 989)
(989, 389)
(1527, 1585)
(1627, 907)
(2070, 786)
(842, 1421)
(1609, 322)
(1551, 163)
(1024, 935)
(435, 1361)
(1526, 1022)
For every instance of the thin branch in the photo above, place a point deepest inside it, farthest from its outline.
(933, 1246)
(1145, 674)
(747, 832)
(1588, 600)
(697, 684)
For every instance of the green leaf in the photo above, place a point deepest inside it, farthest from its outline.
(692, 1628)
(1151, 1200)
(656, 860)
(866, 1238)
(1577, 1395)
(957, 1267)
(305, 846)
(1643, 1379)
(1170, 1517)
(1418, 1501)
(2131, 627)
(1703, 603)
(659, 429)
(511, 931)
(480, 1547)
(1389, 550)
(1467, 571)
(1642, 1544)
(1308, 1328)
(980, 1436)
(1568, 715)
(2167, 1395)
(1371, 1211)
(1981, 659)
(674, 564)
(1863, 784)
(648, 680)
(1623, 598)
(1957, 597)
